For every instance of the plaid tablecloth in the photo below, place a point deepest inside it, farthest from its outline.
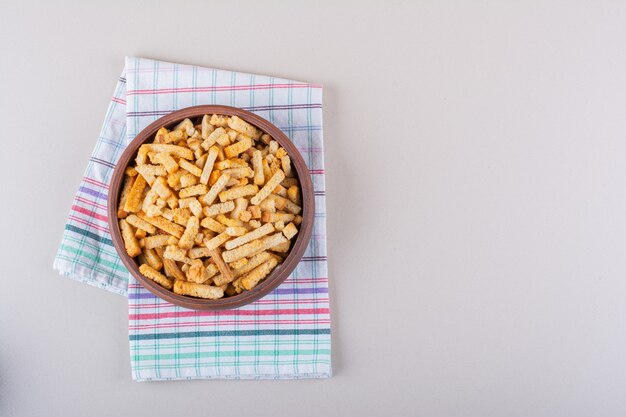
(284, 335)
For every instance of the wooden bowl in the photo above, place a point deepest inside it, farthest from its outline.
(279, 274)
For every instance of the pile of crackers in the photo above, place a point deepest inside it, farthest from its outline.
(210, 209)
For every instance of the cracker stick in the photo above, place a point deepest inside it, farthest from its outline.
(255, 224)
(237, 286)
(186, 126)
(241, 204)
(268, 187)
(133, 200)
(199, 252)
(219, 208)
(196, 271)
(140, 223)
(152, 259)
(233, 182)
(281, 247)
(150, 170)
(149, 200)
(155, 241)
(277, 217)
(207, 128)
(140, 234)
(239, 172)
(228, 222)
(211, 139)
(142, 156)
(230, 163)
(224, 140)
(215, 175)
(172, 270)
(161, 188)
(160, 135)
(130, 241)
(257, 165)
(289, 182)
(250, 280)
(293, 194)
(187, 239)
(176, 254)
(164, 224)
(219, 120)
(153, 211)
(275, 165)
(196, 208)
(267, 172)
(252, 263)
(174, 136)
(285, 162)
(180, 216)
(167, 161)
(241, 126)
(237, 148)
(188, 166)
(238, 264)
(178, 151)
(185, 202)
(245, 216)
(130, 171)
(210, 270)
(268, 205)
(195, 190)
(248, 237)
(280, 153)
(216, 241)
(215, 189)
(213, 225)
(198, 290)
(237, 192)
(188, 180)
(290, 230)
(236, 231)
(128, 185)
(253, 247)
(173, 180)
(208, 165)
(273, 147)
(149, 272)
(255, 211)
(279, 202)
(280, 191)
(225, 271)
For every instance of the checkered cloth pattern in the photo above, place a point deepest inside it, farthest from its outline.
(285, 335)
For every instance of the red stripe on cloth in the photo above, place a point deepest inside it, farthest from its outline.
(259, 302)
(317, 171)
(89, 213)
(90, 224)
(118, 100)
(96, 182)
(92, 203)
(180, 314)
(220, 88)
(226, 323)
(300, 301)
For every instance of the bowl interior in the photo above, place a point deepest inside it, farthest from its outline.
(298, 247)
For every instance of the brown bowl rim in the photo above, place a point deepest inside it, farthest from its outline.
(294, 256)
